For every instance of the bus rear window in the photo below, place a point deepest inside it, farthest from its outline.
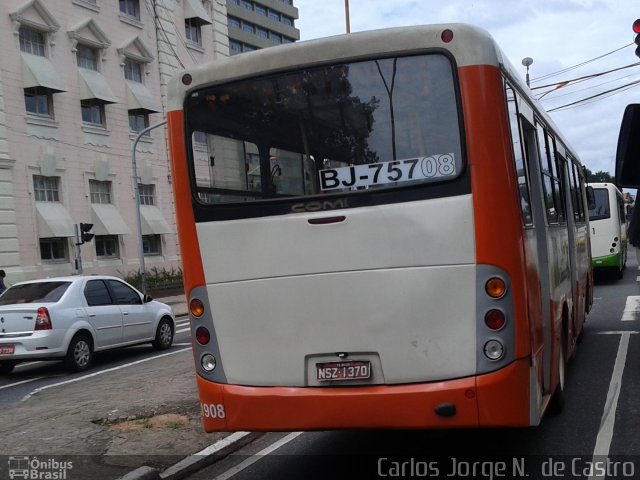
(378, 124)
(601, 210)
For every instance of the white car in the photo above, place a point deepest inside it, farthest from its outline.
(70, 318)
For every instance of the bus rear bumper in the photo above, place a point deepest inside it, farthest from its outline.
(496, 399)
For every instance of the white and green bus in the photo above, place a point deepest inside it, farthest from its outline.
(608, 229)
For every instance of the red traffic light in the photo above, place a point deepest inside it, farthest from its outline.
(636, 26)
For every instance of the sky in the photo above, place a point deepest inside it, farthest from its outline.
(556, 34)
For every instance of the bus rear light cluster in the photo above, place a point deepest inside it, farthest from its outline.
(202, 336)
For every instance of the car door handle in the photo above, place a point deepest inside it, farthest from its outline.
(125, 313)
(92, 314)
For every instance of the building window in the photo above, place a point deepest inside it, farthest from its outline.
(151, 245)
(192, 30)
(93, 112)
(246, 4)
(100, 192)
(87, 57)
(46, 189)
(233, 22)
(138, 121)
(130, 8)
(233, 2)
(262, 33)
(133, 70)
(260, 9)
(235, 47)
(32, 41)
(38, 101)
(107, 246)
(273, 15)
(276, 38)
(53, 249)
(248, 27)
(287, 20)
(147, 194)
(248, 48)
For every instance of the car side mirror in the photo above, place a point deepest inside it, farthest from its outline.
(628, 151)
(147, 299)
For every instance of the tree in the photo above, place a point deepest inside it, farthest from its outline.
(598, 177)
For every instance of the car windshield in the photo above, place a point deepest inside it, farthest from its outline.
(34, 292)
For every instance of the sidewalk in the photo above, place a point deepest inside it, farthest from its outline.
(111, 423)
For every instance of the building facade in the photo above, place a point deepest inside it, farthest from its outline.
(79, 80)
(255, 24)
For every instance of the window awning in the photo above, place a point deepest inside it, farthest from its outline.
(107, 220)
(140, 98)
(54, 220)
(194, 9)
(39, 72)
(94, 85)
(153, 222)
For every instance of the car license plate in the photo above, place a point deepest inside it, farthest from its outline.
(332, 371)
(7, 349)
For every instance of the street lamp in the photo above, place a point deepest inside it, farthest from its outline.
(527, 62)
(136, 190)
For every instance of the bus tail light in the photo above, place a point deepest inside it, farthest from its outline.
(202, 335)
(446, 35)
(196, 307)
(496, 287)
(494, 350)
(208, 362)
(495, 319)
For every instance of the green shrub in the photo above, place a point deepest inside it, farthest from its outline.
(156, 278)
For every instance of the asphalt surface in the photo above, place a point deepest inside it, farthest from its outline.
(145, 419)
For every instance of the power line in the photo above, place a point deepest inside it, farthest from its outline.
(559, 72)
(592, 98)
(585, 77)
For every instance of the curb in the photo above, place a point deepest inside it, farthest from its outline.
(193, 463)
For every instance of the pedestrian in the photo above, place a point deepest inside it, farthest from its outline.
(3, 287)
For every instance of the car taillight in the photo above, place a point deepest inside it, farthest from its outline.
(43, 321)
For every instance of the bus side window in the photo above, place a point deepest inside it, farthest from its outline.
(518, 156)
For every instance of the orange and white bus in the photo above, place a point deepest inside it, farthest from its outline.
(378, 230)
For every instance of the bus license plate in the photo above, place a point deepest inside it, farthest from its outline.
(7, 349)
(333, 371)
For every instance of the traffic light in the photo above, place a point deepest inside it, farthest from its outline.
(85, 234)
(636, 30)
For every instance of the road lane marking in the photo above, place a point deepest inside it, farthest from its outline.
(631, 309)
(605, 434)
(21, 382)
(258, 456)
(197, 457)
(617, 332)
(95, 374)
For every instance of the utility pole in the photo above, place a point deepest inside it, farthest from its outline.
(136, 190)
(346, 15)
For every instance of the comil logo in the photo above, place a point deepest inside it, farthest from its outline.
(38, 469)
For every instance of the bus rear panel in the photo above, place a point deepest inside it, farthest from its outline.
(334, 235)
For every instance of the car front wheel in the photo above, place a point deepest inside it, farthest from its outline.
(80, 353)
(164, 334)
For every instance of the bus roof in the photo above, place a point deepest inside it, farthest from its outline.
(470, 46)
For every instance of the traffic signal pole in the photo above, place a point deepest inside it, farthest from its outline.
(136, 191)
